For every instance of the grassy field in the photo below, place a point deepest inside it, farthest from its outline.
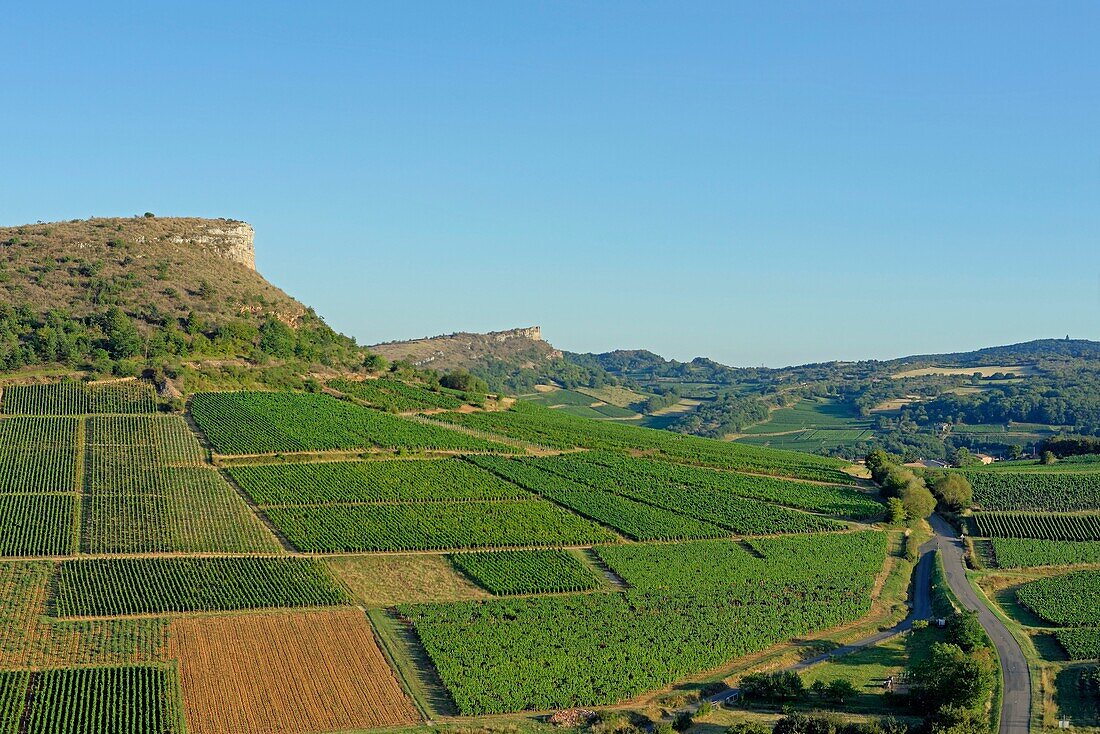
(1018, 370)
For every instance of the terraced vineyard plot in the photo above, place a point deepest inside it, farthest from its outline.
(36, 524)
(532, 423)
(79, 398)
(715, 505)
(147, 489)
(1022, 553)
(603, 466)
(187, 509)
(396, 396)
(37, 454)
(372, 481)
(29, 639)
(285, 674)
(132, 700)
(13, 699)
(118, 445)
(275, 422)
(527, 571)
(635, 520)
(589, 649)
(1038, 525)
(436, 526)
(1051, 491)
(159, 585)
(1070, 600)
(1080, 643)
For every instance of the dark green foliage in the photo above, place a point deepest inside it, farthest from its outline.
(1024, 552)
(13, 700)
(36, 524)
(37, 454)
(1078, 692)
(717, 419)
(157, 585)
(463, 381)
(951, 677)
(1080, 643)
(784, 686)
(964, 630)
(527, 571)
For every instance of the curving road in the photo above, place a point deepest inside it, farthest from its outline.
(1016, 704)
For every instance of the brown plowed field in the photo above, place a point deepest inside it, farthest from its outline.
(285, 673)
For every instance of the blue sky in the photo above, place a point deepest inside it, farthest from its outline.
(761, 183)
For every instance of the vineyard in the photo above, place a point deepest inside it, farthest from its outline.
(556, 652)
(285, 674)
(1023, 553)
(635, 520)
(541, 426)
(148, 489)
(527, 571)
(1037, 525)
(1069, 600)
(38, 454)
(127, 700)
(94, 588)
(714, 504)
(1049, 491)
(372, 481)
(602, 468)
(396, 396)
(36, 524)
(78, 398)
(278, 422)
(1080, 643)
(434, 526)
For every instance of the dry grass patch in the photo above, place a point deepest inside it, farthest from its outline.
(382, 581)
(285, 674)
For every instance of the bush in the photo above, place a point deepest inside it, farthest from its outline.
(786, 685)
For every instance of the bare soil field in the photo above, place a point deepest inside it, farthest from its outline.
(1018, 370)
(382, 581)
(285, 674)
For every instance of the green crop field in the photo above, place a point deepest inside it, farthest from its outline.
(78, 398)
(1080, 643)
(1038, 525)
(275, 422)
(635, 520)
(38, 454)
(103, 587)
(1069, 600)
(432, 526)
(810, 413)
(372, 481)
(556, 652)
(527, 571)
(1026, 552)
(1050, 491)
(36, 524)
(396, 396)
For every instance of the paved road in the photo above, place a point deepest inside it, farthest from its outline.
(1016, 705)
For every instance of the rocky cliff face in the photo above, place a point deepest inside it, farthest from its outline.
(231, 240)
(524, 347)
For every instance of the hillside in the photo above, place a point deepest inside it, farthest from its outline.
(120, 295)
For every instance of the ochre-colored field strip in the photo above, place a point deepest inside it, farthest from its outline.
(292, 673)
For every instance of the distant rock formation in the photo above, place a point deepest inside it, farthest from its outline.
(523, 347)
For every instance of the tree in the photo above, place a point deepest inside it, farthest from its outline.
(964, 629)
(919, 503)
(895, 511)
(375, 363)
(963, 458)
(121, 338)
(277, 339)
(464, 381)
(954, 491)
(839, 691)
(951, 677)
(1048, 458)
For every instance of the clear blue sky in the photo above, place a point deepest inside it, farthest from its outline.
(756, 182)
